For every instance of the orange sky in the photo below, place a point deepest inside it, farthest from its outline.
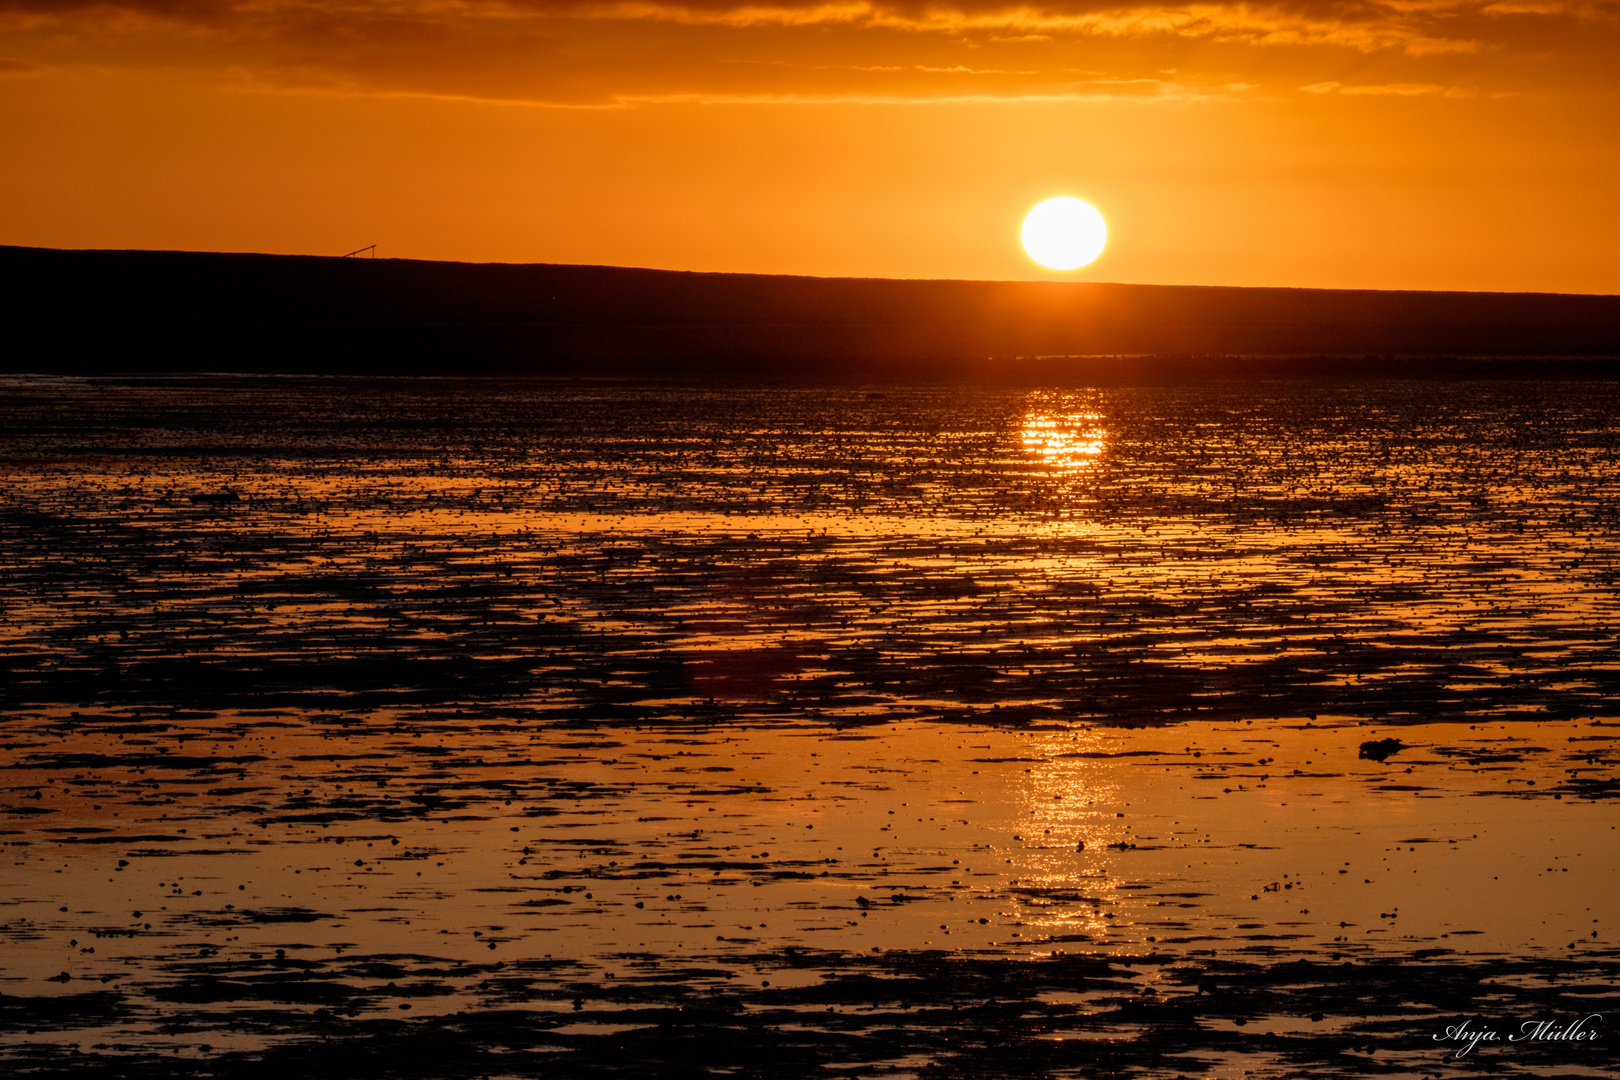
(1397, 144)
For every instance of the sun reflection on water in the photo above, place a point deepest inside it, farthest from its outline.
(1065, 439)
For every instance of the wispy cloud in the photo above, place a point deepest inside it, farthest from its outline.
(1092, 93)
(1404, 89)
(1365, 27)
(1395, 89)
(1358, 24)
(604, 51)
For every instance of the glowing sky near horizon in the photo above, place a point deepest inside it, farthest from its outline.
(1457, 144)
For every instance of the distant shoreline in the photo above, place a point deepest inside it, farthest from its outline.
(150, 312)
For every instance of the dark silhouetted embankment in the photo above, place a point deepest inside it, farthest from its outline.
(152, 311)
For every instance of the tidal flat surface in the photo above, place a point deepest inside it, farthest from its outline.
(482, 728)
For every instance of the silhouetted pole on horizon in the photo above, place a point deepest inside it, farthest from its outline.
(369, 247)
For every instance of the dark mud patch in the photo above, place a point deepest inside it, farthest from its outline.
(927, 1014)
(1380, 749)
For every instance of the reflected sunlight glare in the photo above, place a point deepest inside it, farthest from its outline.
(1065, 441)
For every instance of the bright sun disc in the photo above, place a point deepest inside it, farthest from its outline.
(1064, 233)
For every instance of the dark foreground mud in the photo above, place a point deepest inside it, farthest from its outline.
(923, 1014)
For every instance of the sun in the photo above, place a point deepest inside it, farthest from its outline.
(1064, 233)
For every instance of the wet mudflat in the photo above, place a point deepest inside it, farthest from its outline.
(464, 729)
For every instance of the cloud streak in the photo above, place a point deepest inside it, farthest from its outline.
(1362, 27)
(603, 51)
(1365, 25)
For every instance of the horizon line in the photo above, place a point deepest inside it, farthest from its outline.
(808, 277)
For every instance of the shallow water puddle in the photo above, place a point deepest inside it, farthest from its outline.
(236, 837)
